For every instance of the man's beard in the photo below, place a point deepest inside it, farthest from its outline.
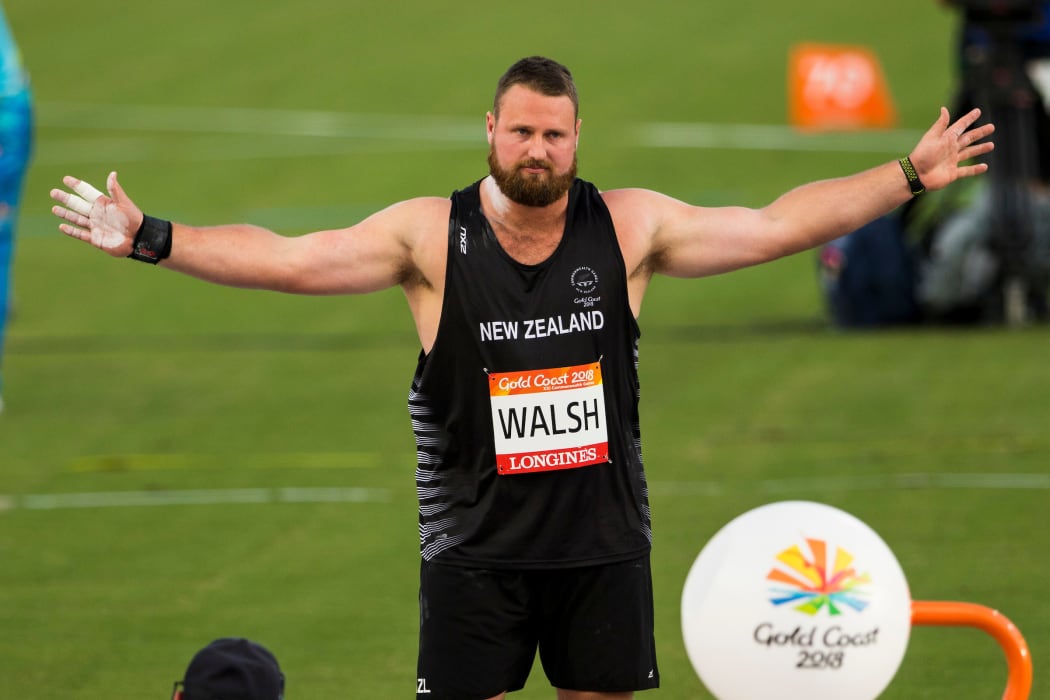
(528, 189)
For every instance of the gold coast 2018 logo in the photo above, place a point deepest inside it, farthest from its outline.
(820, 581)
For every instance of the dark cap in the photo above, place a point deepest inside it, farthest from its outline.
(233, 669)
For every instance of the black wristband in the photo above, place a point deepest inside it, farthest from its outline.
(153, 241)
(914, 182)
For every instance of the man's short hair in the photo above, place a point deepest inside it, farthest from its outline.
(542, 75)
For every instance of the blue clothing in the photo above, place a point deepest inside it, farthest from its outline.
(16, 139)
(992, 44)
(1032, 37)
(13, 77)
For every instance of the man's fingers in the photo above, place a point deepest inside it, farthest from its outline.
(60, 196)
(82, 201)
(971, 170)
(63, 197)
(944, 117)
(78, 205)
(976, 150)
(966, 121)
(71, 216)
(75, 232)
(89, 193)
(115, 190)
(983, 131)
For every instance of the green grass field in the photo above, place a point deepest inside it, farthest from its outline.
(121, 379)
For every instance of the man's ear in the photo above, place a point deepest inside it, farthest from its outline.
(177, 695)
(490, 125)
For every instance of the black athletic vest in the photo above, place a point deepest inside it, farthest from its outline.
(525, 411)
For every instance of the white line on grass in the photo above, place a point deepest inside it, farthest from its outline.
(55, 152)
(909, 481)
(873, 482)
(762, 137)
(439, 130)
(147, 461)
(123, 499)
(270, 122)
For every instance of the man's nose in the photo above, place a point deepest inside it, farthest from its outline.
(537, 147)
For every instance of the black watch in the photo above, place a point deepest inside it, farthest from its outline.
(914, 182)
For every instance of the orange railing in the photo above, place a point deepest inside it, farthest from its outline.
(1018, 658)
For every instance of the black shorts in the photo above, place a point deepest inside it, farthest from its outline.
(479, 629)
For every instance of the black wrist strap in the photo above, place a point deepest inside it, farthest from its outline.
(153, 241)
(914, 182)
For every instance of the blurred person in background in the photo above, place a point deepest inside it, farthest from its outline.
(1025, 24)
(1002, 61)
(990, 255)
(16, 137)
(946, 257)
(231, 668)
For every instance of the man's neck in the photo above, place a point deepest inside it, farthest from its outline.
(498, 207)
(528, 234)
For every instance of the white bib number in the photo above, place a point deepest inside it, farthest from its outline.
(548, 419)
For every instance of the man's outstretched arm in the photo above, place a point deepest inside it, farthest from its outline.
(377, 253)
(688, 241)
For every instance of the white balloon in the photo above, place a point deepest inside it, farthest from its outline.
(796, 600)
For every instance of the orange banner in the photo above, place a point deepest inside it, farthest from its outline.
(837, 87)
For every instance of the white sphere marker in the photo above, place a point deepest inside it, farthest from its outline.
(796, 600)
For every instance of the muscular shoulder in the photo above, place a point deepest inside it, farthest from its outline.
(418, 217)
(632, 205)
(637, 215)
(422, 226)
(664, 235)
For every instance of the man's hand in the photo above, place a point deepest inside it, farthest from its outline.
(108, 223)
(942, 149)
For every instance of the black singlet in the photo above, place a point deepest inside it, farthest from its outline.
(525, 410)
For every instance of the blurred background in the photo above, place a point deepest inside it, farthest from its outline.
(180, 462)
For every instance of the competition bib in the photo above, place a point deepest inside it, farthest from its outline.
(548, 419)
